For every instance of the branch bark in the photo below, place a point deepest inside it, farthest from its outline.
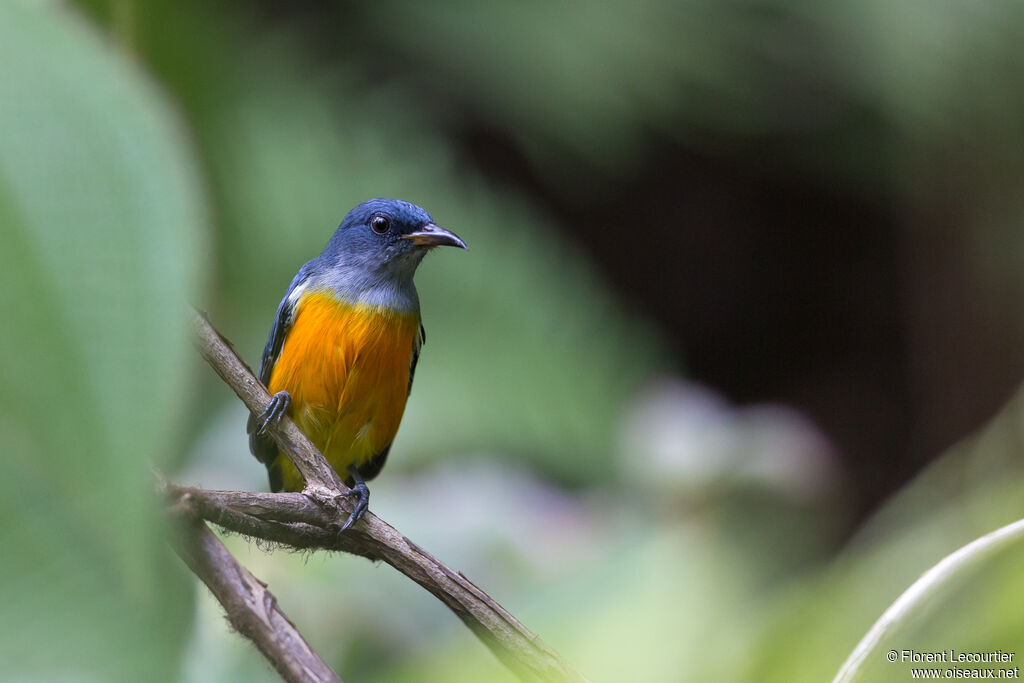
(311, 519)
(218, 352)
(250, 607)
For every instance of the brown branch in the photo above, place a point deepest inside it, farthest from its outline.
(250, 607)
(218, 352)
(310, 520)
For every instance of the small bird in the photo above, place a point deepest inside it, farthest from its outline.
(343, 348)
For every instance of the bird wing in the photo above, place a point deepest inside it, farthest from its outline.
(261, 445)
(420, 340)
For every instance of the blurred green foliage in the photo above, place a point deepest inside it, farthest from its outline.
(103, 225)
(288, 155)
(122, 135)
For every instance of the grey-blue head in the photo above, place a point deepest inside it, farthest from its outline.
(373, 254)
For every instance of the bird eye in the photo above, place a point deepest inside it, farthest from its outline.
(380, 224)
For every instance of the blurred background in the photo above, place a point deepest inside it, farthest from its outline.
(736, 353)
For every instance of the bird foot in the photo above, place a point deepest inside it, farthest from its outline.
(274, 411)
(362, 494)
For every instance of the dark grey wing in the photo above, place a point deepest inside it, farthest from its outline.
(283, 321)
(372, 467)
(416, 354)
(261, 445)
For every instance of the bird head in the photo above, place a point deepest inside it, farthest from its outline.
(386, 238)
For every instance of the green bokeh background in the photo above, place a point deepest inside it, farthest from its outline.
(159, 154)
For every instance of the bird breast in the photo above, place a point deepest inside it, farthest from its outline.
(346, 367)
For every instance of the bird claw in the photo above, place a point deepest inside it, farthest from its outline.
(274, 411)
(362, 493)
(362, 504)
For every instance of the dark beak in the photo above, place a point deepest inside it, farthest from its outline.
(431, 235)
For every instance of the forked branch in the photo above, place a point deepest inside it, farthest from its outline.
(311, 519)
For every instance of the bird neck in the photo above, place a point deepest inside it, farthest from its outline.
(377, 288)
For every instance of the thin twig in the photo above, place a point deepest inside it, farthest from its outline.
(310, 520)
(250, 607)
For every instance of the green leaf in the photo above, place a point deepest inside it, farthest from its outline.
(899, 632)
(970, 491)
(100, 221)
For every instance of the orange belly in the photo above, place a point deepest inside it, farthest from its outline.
(347, 370)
